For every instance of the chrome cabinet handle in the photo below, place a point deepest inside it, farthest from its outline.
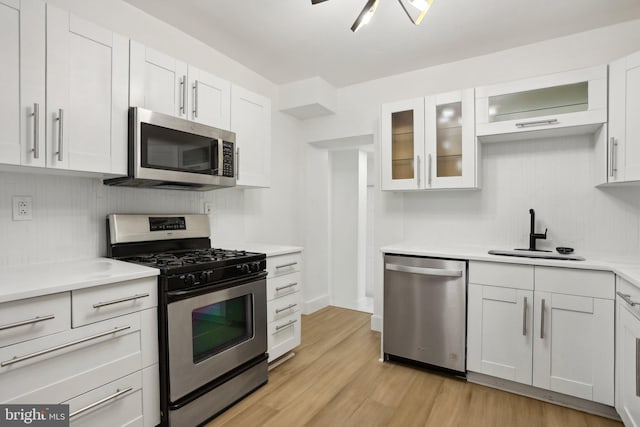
(17, 359)
(424, 271)
(195, 99)
(36, 130)
(290, 264)
(417, 167)
(60, 120)
(627, 298)
(27, 322)
(537, 123)
(524, 317)
(118, 393)
(612, 143)
(289, 307)
(638, 367)
(183, 95)
(542, 320)
(119, 300)
(237, 163)
(430, 166)
(286, 325)
(282, 288)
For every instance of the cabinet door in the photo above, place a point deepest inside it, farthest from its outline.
(158, 82)
(402, 145)
(573, 349)
(628, 360)
(210, 102)
(22, 49)
(450, 140)
(624, 127)
(87, 90)
(251, 121)
(499, 342)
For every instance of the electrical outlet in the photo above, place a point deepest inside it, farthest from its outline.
(22, 208)
(208, 208)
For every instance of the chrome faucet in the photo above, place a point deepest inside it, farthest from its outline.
(533, 236)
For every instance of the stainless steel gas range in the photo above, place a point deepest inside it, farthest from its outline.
(212, 312)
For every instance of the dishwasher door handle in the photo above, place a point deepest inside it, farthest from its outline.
(424, 271)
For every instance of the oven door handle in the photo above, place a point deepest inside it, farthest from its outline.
(178, 295)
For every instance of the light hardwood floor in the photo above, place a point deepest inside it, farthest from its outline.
(336, 379)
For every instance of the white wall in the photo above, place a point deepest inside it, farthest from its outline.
(559, 182)
(69, 212)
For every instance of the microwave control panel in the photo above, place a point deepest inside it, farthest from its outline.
(227, 159)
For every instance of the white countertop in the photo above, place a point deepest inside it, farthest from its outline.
(265, 248)
(629, 269)
(26, 281)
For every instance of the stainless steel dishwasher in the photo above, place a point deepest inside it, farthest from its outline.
(425, 302)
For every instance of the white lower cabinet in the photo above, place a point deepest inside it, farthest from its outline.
(628, 353)
(284, 303)
(106, 370)
(558, 335)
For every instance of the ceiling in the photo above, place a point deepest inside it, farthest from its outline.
(289, 40)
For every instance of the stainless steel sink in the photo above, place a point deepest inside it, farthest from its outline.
(536, 254)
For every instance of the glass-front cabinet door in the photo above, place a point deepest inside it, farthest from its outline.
(402, 145)
(575, 101)
(450, 140)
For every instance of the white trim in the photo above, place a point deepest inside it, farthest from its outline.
(315, 304)
(376, 323)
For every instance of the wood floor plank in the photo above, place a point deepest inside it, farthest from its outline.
(336, 379)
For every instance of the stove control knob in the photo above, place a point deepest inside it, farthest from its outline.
(255, 267)
(245, 268)
(189, 279)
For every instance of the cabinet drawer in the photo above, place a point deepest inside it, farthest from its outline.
(283, 307)
(283, 285)
(61, 366)
(31, 318)
(571, 281)
(284, 335)
(118, 403)
(515, 276)
(283, 264)
(108, 301)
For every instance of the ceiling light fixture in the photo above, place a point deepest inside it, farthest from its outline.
(370, 8)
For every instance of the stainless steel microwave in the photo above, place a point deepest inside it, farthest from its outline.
(169, 152)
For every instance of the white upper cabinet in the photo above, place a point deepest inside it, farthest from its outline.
(450, 140)
(22, 103)
(210, 99)
(429, 143)
(158, 82)
(566, 103)
(624, 127)
(87, 88)
(166, 85)
(251, 122)
(402, 145)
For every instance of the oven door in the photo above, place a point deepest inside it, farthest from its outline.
(212, 333)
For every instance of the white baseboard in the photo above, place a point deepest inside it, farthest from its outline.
(315, 304)
(376, 323)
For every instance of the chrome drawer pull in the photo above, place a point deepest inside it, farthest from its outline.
(28, 322)
(118, 393)
(524, 317)
(286, 325)
(290, 306)
(537, 123)
(282, 288)
(423, 270)
(290, 264)
(627, 299)
(542, 320)
(118, 301)
(17, 359)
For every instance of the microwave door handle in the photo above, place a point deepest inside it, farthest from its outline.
(219, 166)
